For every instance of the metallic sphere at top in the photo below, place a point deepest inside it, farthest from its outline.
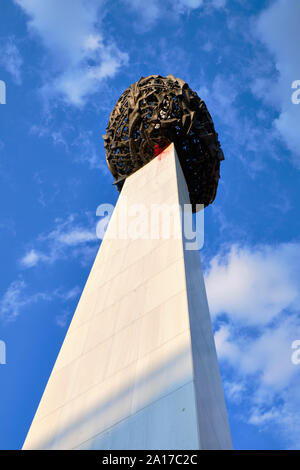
(151, 114)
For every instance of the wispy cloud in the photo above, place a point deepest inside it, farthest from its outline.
(10, 59)
(235, 390)
(82, 57)
(79, 144)
(17, 298)
(85, 149)
(150, 12)
(32, 258)
(278, 28)
(62, 319)
(222, 97)
(14, 300)
(182, 6)
(68, 239)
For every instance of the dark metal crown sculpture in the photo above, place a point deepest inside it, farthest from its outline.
(150, 115)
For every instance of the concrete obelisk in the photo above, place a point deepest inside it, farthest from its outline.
(138, 368)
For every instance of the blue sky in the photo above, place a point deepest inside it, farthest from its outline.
(65, 63)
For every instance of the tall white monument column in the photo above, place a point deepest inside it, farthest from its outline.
(138, 368)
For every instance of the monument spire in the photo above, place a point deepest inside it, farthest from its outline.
(138, 368)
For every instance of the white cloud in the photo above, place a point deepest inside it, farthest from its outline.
(83, 58)
(270, 354)
(32, 258)
(69, 233)
(62, 319)
(266, 356)
(189, 4)
(221, 97)
(184, 5)
(259, 417)
(69, 294)
(14, 300)
(68, 239)
(152, 11)
(225, 347)
(17, 297)
(254, 286)
(11, 60)
(283, 417)
(76, 236)
(254, 298)
(149, 12)
(269, 381)
(278, 28)
(235, 390)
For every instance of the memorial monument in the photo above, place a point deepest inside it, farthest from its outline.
(138, 368)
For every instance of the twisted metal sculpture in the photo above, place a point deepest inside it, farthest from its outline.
(150, 115)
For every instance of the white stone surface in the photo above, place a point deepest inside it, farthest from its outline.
(138, 367)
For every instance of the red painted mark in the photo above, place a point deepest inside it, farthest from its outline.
(158, 150)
